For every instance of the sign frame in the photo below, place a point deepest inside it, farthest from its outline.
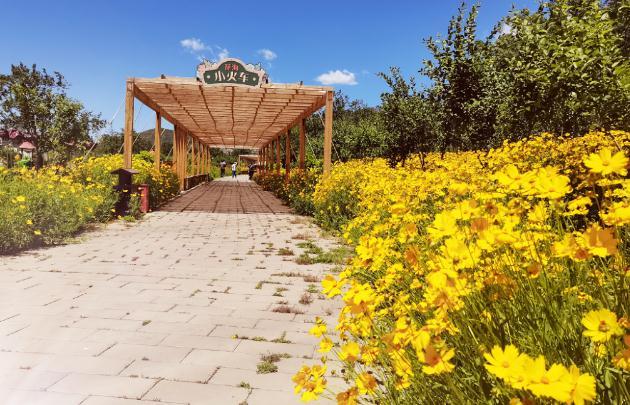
(238, 73)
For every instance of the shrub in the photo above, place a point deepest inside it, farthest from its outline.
(485, 278)
(49, 205)
(297, 192)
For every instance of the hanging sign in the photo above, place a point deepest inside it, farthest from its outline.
(231, 71)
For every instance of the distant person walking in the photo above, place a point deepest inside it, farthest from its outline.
(223, 164)
(234, 170)
(252, 170)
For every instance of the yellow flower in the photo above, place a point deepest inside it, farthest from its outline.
(504, 363)
(325, 345)
(601, 325)
(319, 328)
(555, 383)
(348, 397)
(330, 286)
(20, 198)
(311, 381)
(37, 232)
(583, 386)
(29, 222)
(600, 242)
(618, 214)
(606, 163)
(366, 383)
(350, 352)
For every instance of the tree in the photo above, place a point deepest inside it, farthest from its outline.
(458, 72)
(561, 70)
(405, 113)
(35, 101)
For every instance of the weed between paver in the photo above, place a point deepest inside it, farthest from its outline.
(279, 291)
(260, 283)
(255, 338)
(246, 385)
(285, 252)
(306, 299)
(281, 339)
(267, 364)
(312, 288)
(285, 309)
(314, 254)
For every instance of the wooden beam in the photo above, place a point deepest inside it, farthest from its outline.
(128, 136)
(328, 129)
(287, 156)
(302, 144)
(157, 140)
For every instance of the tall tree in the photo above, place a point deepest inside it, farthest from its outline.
(406, 118)
(561, 69)
(35, 101)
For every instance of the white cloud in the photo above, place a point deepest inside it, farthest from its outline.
(268, 54)
(506, 29)
(193, 44)
(337, 77)
(223, 53)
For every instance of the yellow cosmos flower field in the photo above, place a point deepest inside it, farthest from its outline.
(47, 206)
(486, 277)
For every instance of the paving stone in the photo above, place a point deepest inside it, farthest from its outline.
(193, 393)
(83, 365)
(75, 318)
(103, 385)
(201, 342)
(24, 397)
(266, 397)
(100, 400)
(170, 371)
(29, 379)
(139, 352)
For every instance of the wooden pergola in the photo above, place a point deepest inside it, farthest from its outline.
(226, 115)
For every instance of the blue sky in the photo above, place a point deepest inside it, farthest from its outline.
(97, 45)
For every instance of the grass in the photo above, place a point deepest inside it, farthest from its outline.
(312, 288)
(281, 339)
(275, 357)
(285, 252)
(302, 236)
(285, 309)
(267, 362)
(255, 338)
(246, 385)
(309, 278)
(314, 254)
(306, 299)
(146, 322)
(266, 367)
(260, 283)
(279, 291)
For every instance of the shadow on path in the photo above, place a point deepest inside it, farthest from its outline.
(228, 196)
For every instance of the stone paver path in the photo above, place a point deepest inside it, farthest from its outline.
(177, 308)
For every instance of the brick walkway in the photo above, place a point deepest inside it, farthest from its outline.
(177, 308)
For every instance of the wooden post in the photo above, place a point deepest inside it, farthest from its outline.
(185, 159)
(287, 156)
(176, 152)
(328, 128)
(266, 158)
(157, 141)
(278, 161)
(302, 144)
(193, 157)
(128, 137)
(204, 159)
